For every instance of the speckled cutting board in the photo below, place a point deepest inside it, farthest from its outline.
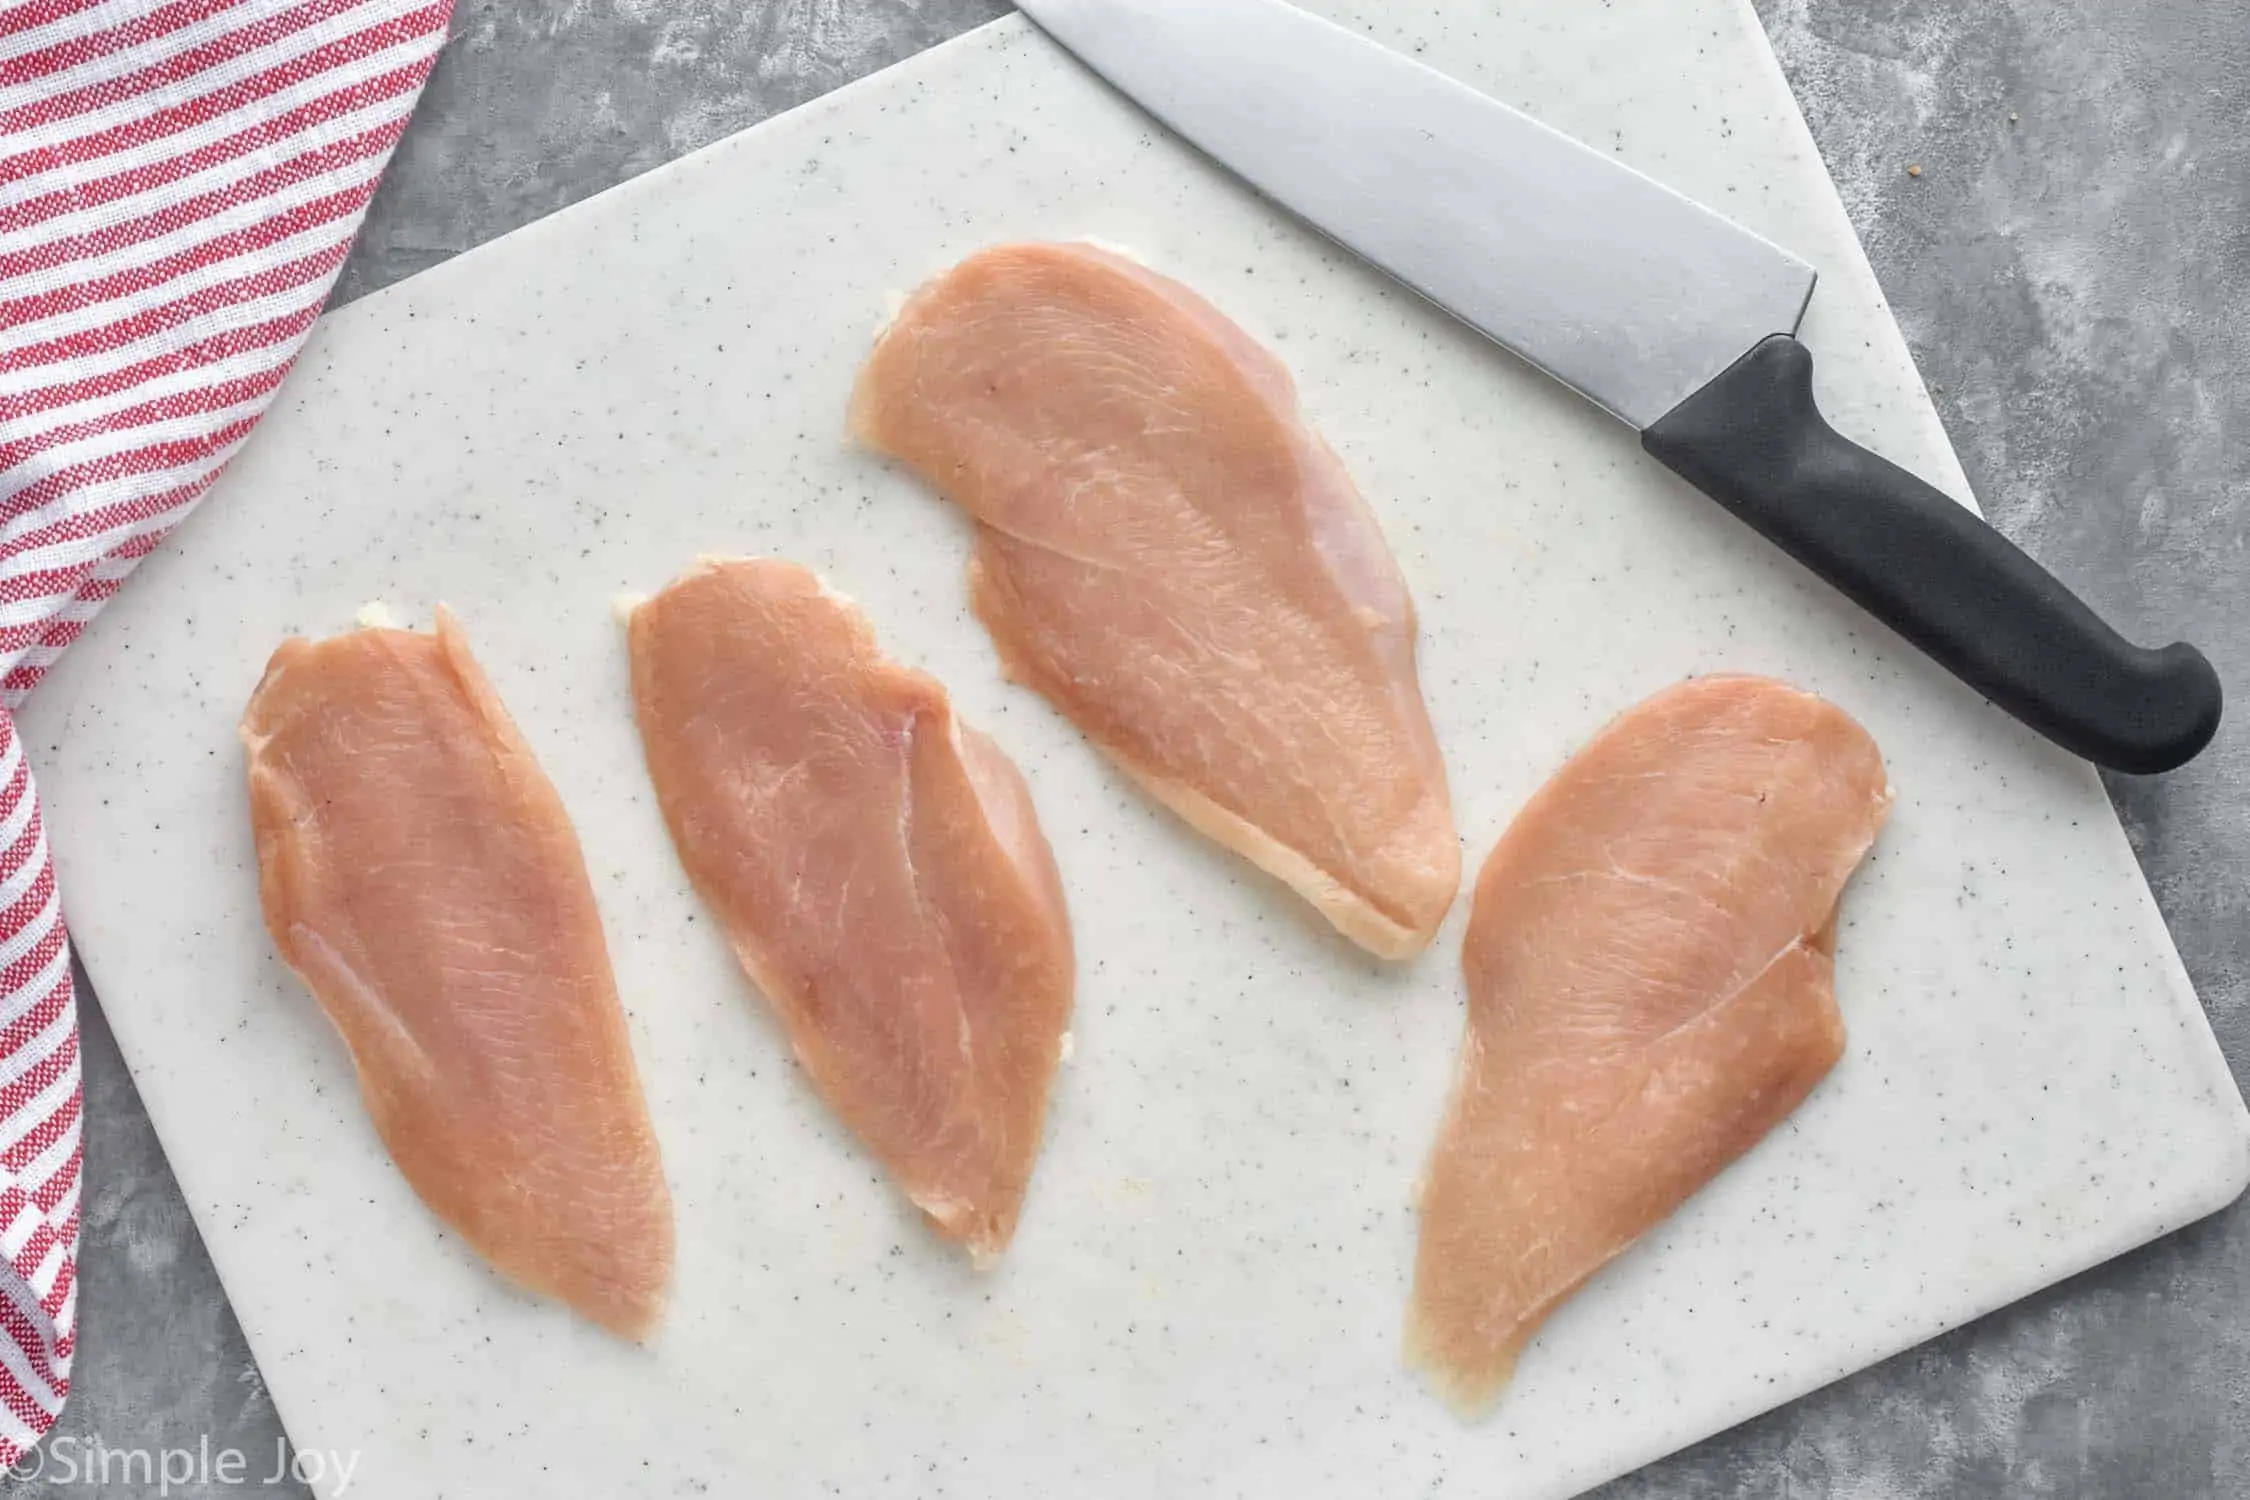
(1205, 1297)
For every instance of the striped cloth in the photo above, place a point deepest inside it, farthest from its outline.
(179, 185)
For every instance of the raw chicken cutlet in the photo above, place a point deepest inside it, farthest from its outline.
(1650, 972)
(1175, 560)
(880, 870)
(420, 874)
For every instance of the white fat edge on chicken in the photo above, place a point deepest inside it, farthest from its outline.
(837, 596)
(895, 301)
(625, 605)
(375, 615)
(1122, 252)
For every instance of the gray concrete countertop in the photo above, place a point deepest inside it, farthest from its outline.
(2072, 267)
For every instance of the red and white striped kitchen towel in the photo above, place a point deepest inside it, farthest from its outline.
(179, 184)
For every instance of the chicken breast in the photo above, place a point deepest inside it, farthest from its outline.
(1174, 559)
(880, 870)
(1650, 974)
(420, 874)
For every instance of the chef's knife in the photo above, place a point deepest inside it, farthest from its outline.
(1669, 316)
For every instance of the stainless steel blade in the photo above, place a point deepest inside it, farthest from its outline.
(1612, 283)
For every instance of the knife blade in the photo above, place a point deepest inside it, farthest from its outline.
(1666, 314)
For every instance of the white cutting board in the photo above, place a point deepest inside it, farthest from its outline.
(1205, 1296)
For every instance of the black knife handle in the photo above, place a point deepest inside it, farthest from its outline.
(1754, 441)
